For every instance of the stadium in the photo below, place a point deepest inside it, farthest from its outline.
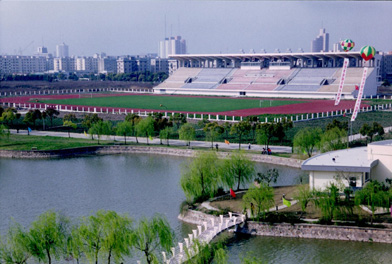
(283, 75)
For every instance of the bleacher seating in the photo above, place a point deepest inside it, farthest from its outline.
(308, 79)
(353, 77)
(209, 78)
(304, 81)
(179, 77)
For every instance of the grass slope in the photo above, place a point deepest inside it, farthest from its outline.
(188, 104)
(22, 142)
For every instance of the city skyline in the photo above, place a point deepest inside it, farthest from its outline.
(129, 27)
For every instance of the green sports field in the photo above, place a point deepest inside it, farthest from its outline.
(173, 103)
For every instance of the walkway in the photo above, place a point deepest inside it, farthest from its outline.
(156, 141)
(204, 234)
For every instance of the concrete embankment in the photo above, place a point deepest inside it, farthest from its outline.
(106, 150)
(314, 231)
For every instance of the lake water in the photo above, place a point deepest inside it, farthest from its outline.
(142, 185)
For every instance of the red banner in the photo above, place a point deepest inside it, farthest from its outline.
(342, 78)
(360, 94)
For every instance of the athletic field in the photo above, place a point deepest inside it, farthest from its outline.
(172, 103)
(230, 106)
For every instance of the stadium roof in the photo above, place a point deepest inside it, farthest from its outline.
(262, 56)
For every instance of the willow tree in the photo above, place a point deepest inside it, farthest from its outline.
(240, 129)
(108, 232)
(307, 139)
(15, 249)
(259, 200)
(47, 236)
(237, 169)
(199, 178)
(145, 127)
(213, 130)
(124, 129)
(152, 236)
(187, 133)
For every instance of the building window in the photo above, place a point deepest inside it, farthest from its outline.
(353, 182)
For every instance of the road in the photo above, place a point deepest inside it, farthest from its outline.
(156, 141)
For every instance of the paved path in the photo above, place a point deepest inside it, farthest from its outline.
(156, 141)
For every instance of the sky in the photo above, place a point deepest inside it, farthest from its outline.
(136, 27)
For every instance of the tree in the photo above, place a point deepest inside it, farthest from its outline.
(145, 127)
(212, 131)
(100, 128)
(238, 168)
(199, 179)
(328, 201)
(90, 119)
(70, 125)
(134, 119)
(259, 200)
(178, 119)
(338, 124)
(124, 129)
(70, 117)
(373, 195)
(201, 253)
(117, 233)
(15, 250)
(264, 134)
(240, 129)
(165, 134)
(333, 139)
(270, 176)
(152, 235)
(187, 133)
(9, 115)
(306, 140)
(32, 116)
(4, 131)
(74, 247)
(47, 236)
(370, 131)
(51, 113)
(304, 196)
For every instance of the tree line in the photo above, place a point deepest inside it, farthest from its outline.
(105, 237)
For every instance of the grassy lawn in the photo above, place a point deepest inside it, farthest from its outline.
(22, 142)
(189, 104)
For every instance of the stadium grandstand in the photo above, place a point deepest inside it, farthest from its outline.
(285, 75)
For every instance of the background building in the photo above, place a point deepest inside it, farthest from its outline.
(172, 46)
(321, 42)
(62, 51)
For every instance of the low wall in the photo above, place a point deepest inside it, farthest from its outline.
(319, 232)
(195, 217)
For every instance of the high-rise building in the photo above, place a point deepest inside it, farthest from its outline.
(62, 50)
(172, 46)
(321, 42)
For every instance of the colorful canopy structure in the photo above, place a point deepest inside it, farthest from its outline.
(347, 44)
(367, 52)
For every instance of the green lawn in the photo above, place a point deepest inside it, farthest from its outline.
(22, 142)
(173, 103)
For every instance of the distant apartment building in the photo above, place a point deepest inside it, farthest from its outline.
(62, 50)
(172, 46)
(107, 65)
(126, 65)
(321, 42)
(159, 65)
(22, 64)
(86, 64)
(65, 64)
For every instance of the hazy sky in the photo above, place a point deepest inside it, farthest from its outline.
(135, 27)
